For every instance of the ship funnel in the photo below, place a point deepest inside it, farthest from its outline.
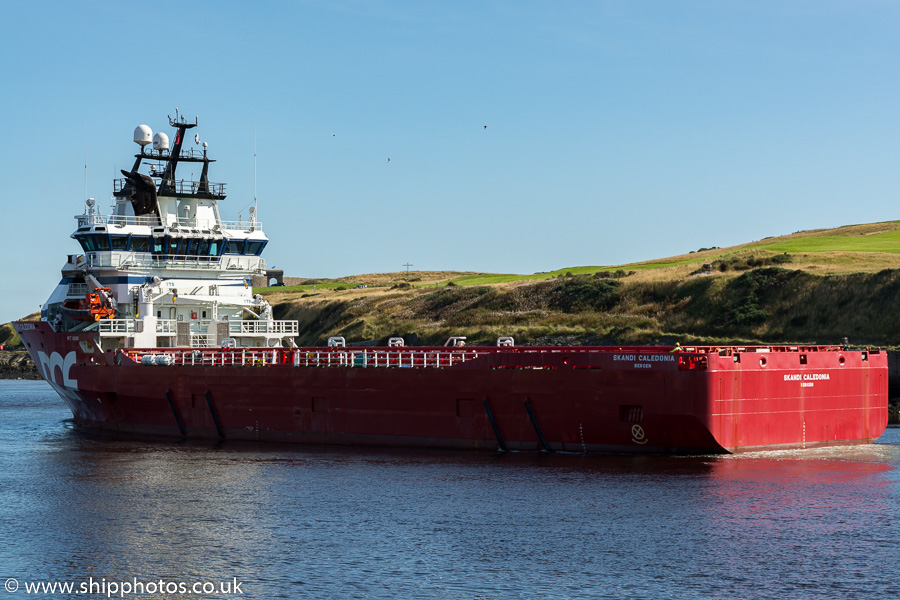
(160, 141)
(142, 135)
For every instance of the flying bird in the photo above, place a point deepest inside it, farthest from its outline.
(196, 138)
(485, 126)
(389, 160)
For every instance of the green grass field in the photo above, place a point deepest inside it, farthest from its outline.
(492, 278)
(883, 238)
(328, 285)
(846, 239)
(889, 241)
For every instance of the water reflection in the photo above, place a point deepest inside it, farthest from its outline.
(368, 523)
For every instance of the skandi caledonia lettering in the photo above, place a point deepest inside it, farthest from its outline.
(644, 357)
(807, 377)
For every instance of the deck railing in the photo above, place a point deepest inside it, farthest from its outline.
(124, 326)
(263, 327)
(181, 222)
(689, 358)
(119, 259)
(199, 328)
(299, 357)
(179, 187)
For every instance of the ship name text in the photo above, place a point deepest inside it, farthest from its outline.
(807, 377)
(644, 357)
(644, 361)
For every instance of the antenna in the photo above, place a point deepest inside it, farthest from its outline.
(85, 161)
(255, 201)
(407, 265)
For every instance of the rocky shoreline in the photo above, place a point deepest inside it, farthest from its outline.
(16, 364)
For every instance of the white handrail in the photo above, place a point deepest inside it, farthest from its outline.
(189, 223)
(121, 259)
(199, 334)
(424, 359)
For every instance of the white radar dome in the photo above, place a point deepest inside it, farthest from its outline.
(160, 141)
(142, 135)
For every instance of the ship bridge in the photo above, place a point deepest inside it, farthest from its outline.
(161, 221)
(163, 268)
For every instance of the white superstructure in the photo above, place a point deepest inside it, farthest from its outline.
(164, 270)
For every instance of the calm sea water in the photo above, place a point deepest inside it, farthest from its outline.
(327, 523)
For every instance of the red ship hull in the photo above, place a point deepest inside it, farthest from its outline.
(635, 400)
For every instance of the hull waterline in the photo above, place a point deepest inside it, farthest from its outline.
(532, 399)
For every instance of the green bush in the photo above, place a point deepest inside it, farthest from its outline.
(745, 263)
(582, 293)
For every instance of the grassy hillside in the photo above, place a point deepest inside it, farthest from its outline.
(811, 286)
(864, 248)
(9, 339)
(766, 304)
(8, 336)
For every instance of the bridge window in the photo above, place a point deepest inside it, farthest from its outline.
(87, 243)
(173, 247)
(102, 242)
(214, 246)
(235, 247)
(97, 242)
(159, 245)
(140, 243)
(255, 248)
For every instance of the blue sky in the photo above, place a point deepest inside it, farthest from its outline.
(617, 131)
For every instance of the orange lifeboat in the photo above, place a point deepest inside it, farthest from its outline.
(93, 307)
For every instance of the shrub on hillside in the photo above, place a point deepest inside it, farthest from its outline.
(619, 274)
(751, 291)
(745, 263)
(585, 293)
(450, 296)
